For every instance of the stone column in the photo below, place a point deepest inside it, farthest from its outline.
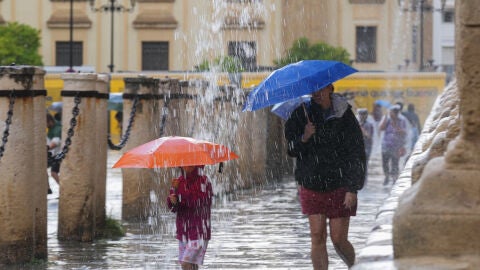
(253, 128)
(440, 214)
(223, 123)
(137, 183)
(40, 163)
(76, 219)
(100, 180)
(173, 106)
(22, 166)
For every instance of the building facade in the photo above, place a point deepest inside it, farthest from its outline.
(444, 37)
(177, 35)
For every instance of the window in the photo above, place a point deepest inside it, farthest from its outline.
(154, 55)
(366, 47)
(62, 53)
(448, 16)
(246, 51)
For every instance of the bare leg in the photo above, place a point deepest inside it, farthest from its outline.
(318, 234)
(339, 236)
(49, 190)
(55, 176)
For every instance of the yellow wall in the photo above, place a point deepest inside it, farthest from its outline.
(363, 89)
(419, 89)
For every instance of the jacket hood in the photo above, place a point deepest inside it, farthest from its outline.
(340, 105)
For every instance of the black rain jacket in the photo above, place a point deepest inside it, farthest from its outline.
(334, 156)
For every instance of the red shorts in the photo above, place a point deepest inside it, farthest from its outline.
(329, 203)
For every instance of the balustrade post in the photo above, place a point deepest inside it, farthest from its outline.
(23, 164)
(439, 215)
(172, 108)
(76, 220)
(137, 183)
(101, 150)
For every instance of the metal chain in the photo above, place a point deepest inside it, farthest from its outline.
(6, 132)
(68, 141)
(126, 135)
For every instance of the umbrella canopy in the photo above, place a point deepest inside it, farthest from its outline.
(383, 103)
(174, 151)
(295, 80)
(56, 106)
(284, 109)
(115, 102)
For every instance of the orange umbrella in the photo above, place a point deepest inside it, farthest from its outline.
(174, 151)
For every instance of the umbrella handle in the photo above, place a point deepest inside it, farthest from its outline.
(306, 114)
(220, 167)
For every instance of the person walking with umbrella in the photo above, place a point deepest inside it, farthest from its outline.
(325, 138)
(191, 193)
(393, 143)
(191, 199)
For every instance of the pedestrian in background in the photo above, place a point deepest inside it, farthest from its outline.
(393, 143)
(191, 199)
(54, 135)
(368, 132)
(327, 142)
(414, 120)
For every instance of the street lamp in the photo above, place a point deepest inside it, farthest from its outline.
(112, 7)
(70, 69)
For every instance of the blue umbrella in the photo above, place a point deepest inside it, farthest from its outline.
(295, 80)
(383, 103)
(286, 108)
(56, 106)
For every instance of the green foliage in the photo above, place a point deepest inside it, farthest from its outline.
(228, 64)
(19, 44)
(36, 262)
(303, 50)
(112, 230)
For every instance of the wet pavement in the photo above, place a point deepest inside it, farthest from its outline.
(261, 228)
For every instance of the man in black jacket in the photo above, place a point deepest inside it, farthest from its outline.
(325, 138)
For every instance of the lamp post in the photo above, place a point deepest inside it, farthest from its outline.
(422, 6)
(112, 7)
(70, 69)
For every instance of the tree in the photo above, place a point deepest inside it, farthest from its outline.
(228, 64)
(19, 44)
(302, 50)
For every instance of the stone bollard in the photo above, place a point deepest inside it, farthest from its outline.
(172, 120)
(439, 215)
(23, 164)
(188, 108)
(253, 128)
(101, 149)
(41, 181)
(225, 127)
(76, 209)
(137, 183)
(172, 108)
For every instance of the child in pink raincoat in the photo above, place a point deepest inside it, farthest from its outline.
(191, 199)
